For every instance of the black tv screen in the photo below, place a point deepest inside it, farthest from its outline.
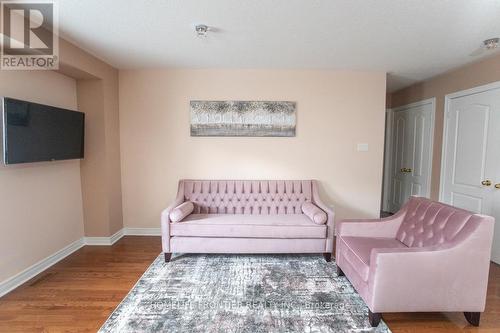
(35, 132)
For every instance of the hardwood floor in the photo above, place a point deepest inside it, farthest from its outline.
(79, 293)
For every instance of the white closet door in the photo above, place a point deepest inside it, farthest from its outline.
(421, 150)
(401, 159)
(471, 155)
(413, 128)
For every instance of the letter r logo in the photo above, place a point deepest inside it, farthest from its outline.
(28, 28)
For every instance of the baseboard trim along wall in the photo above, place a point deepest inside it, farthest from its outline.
(30, 272)
(33, 270)
(104, 240)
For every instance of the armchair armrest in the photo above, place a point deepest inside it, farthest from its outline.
(330, 222)
(165, 219)
(385, 227)
(452, 276)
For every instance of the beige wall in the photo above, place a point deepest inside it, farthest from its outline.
(40, 203)
(46, 206)
(465, 77)
(335, 111)
(97, 85)
(90, 97)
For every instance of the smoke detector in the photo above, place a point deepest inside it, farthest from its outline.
(487, 45)
(491, 43)
(201, 30)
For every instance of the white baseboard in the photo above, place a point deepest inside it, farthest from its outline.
(142, 231)
(104, 240)
(120, 233)
(30, 272)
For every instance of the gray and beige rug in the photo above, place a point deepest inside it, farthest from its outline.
(244, 294)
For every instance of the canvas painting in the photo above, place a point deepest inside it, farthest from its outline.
(242, 118)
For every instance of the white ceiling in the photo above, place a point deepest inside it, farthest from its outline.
(412, 40)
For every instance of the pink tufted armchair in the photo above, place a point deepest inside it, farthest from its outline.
(427, 257)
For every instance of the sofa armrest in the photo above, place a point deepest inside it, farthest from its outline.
(452, 276)
(330, 222)
(165, 219)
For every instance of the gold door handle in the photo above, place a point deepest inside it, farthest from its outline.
(497, 186)
(486, 182)
(403, 169)
(408, 170)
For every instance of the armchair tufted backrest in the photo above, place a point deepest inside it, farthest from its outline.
(428, 223)
(258, 197)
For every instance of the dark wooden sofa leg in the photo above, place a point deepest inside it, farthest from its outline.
(339, 271)
(473, 317)
(328, 256)
(374, 318)
(168, 256)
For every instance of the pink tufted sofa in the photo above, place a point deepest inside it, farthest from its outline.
(427, 257)
(235, 216)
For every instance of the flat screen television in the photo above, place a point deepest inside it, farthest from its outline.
(35, 132)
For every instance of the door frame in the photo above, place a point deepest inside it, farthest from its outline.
(386, 189)
(389, 143)
(447, 103)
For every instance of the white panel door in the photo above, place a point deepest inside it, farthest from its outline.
(421, 150)
(401, 159)
(471, 155)
(413, 128)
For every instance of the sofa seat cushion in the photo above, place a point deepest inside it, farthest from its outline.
(357, 251)
(248, 226)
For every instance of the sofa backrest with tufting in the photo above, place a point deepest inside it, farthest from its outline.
(257, 197)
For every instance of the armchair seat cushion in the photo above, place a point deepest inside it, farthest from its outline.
(357, 251)
(248, 226)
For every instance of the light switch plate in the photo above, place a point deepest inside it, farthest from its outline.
(362, 147)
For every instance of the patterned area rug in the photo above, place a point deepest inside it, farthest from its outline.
(243, 294)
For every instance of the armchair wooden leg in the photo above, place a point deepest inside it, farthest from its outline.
(374, 318)
(168, 256)
(339, 271)
(473, 317)
(328, 256)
